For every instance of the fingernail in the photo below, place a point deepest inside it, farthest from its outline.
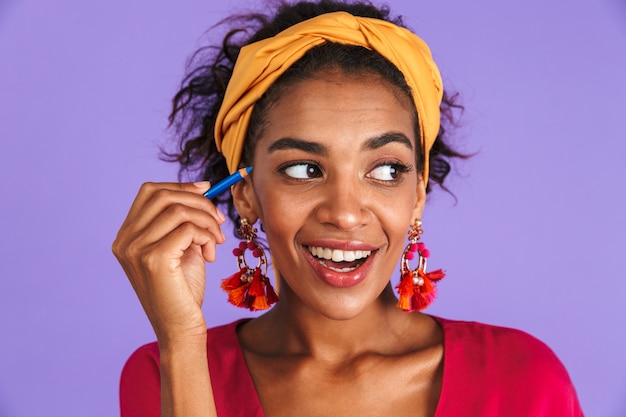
(220, 215)
(205, 185)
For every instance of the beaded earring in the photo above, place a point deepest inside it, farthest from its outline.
(417, 287)
(249, 287)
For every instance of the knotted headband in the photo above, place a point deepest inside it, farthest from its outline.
(261, 63)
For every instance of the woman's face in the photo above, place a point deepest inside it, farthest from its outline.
(335, 186)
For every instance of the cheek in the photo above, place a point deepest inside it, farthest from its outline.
(274, 209)
(398, 222)
(400, 229)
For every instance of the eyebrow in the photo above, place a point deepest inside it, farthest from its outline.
(317, 149)
(389, 137)
(302, 145)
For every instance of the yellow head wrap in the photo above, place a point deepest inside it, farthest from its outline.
(261, 63)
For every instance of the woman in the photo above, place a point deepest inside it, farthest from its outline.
(337, 109)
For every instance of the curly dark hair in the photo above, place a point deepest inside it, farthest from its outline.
(197, 103)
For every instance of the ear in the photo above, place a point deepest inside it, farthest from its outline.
(245, 200)
(420, 198)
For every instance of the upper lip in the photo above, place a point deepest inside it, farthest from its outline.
(342, 245)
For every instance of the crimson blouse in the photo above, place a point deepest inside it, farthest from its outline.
(488, 371)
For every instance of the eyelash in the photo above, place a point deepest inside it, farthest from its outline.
(283, 169)
(400, 168)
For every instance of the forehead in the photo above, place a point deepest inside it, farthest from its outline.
(339, 104)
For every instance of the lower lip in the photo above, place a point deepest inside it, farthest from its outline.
(340, 279)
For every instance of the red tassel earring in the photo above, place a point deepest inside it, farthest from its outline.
(249, 287)
(416, 288)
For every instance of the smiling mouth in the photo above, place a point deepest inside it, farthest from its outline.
(339, 260)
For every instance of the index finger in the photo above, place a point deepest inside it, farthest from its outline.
(153, 198)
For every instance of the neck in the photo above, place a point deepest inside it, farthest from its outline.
(291, 328)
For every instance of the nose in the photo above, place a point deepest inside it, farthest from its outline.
(343, 203)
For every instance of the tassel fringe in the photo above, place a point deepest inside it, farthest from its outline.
(249, 289)
(416, 297)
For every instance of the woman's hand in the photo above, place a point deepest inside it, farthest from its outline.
(170, 232)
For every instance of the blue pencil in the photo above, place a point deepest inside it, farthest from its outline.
(227, 182)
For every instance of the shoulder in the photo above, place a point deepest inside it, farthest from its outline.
(145, 360)
(513, 366)
(140, 387)
(140, 391)
(499, 347)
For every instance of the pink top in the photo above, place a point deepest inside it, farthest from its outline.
(488, 371)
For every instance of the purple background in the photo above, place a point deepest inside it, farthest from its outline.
(535, 241)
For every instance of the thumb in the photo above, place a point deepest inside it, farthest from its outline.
(202, 186)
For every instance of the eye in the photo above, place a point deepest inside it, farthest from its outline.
(386, 172)
(303, 170)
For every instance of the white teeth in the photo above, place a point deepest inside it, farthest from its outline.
(337, 255)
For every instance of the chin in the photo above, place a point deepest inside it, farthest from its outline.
(343, 308)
